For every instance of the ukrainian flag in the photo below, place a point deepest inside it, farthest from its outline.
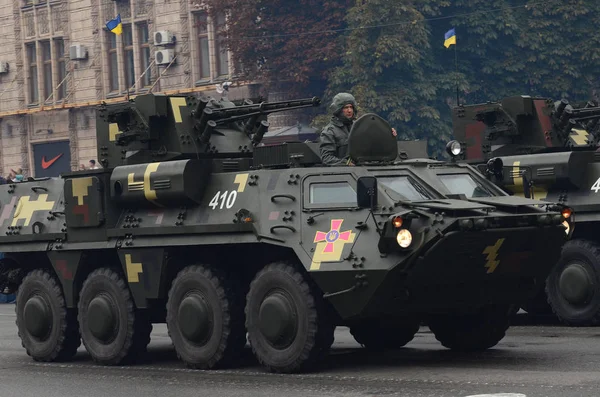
(115, 25)
(450, 38)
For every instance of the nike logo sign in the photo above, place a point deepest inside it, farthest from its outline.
(46, 164)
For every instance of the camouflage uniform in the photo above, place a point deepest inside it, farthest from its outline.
(333, 142)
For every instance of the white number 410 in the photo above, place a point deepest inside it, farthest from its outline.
(227, 199)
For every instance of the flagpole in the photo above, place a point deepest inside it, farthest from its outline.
(456, 65)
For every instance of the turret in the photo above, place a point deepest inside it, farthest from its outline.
(156, 127)
(523, 125)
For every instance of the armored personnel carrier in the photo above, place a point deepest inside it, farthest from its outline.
(192, 223)
(547, 150)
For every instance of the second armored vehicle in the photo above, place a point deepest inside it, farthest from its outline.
(193, 223)
(547, 150)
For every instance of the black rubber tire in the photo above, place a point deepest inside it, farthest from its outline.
(225, 341)
(472, 332)
(63, 340)
(586, 255)
(313, 333)
(133, 326)
(380, 335)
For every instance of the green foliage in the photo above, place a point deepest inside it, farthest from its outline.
(271, 40)
(405, 74)
(392, 57)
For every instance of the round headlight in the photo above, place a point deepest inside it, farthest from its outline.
(404, 238)
(453, 148)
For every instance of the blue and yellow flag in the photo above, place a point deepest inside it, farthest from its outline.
(115, 25)
(450, 38)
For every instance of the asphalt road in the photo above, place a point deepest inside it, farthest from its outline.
(546, 360)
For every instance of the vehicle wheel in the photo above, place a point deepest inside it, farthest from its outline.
(48, 330)
(472, 332)
(573, 287)
(112, 330)
(288, 326)
(205, 318)
(380, 335)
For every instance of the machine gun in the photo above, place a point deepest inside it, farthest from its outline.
(523, 125)
(154, 127)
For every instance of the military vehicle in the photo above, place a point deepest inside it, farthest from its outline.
(192, 223)
(547, 150)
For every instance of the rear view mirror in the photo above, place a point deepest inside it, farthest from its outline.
(366, 192)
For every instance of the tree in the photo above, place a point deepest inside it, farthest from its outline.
(278, 41)
(391, 70)
(534, 48)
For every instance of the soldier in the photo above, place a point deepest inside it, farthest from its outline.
(333, 142)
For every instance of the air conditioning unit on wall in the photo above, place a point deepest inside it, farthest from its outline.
(3, 67)
(77, 51)
(163, 37)
(164, 57)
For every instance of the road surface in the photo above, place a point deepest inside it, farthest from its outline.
(533, 360)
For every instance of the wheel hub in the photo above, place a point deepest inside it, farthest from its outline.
(37, 316)
(278, 320)
(195, 319)
(575, 284)
(102, 319)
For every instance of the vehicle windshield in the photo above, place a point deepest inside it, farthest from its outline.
(463, 184)
(405, 187)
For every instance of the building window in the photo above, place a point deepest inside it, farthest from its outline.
(61, 65)
(47, 68)
(220, 49)
(33, 77)
(144, 54)
(113, 64)
(200, 22)
(129, 63)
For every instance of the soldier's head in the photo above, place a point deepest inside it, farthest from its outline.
(344, 105)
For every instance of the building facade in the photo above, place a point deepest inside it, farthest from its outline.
(58, 61)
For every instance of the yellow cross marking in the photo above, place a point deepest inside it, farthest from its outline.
(133, 270)
(516, 174)
(241, 180)
(26, 208)
(539, 192)
(579, 136)
(113, 131)
(492, 254)
(176, 104)
(80, 188)
(144, 185)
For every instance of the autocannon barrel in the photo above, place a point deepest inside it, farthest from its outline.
(242, 112)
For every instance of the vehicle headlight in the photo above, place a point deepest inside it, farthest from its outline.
(453, 148)
(404, 238)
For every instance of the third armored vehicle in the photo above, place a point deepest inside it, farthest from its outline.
(547, 150)
(192, 222)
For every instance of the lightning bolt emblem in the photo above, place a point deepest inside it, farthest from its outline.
(492, 254)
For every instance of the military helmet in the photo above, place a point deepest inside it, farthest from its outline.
(342, 99)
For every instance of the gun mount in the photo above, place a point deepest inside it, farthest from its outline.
(154, 127)
(522, 125)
